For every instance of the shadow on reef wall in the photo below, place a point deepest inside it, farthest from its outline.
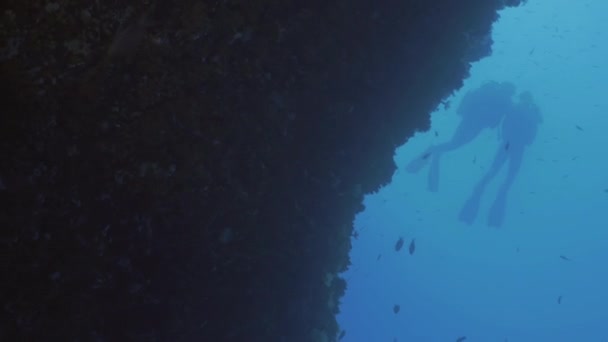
(190, 170)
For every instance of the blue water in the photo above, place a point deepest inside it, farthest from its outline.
(500, 284)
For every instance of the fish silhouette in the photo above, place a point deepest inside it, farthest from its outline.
(399, 244)
(412, 248)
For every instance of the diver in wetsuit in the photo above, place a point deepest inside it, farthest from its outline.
(518, 131)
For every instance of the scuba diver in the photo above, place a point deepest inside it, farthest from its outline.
(518, 130)
(481, 108)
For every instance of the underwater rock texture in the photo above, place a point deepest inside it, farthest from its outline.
(189, 170)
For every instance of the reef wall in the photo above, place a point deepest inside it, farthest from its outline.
(189, 170)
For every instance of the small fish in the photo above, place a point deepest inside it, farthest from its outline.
(399, 244)
(342, 334)
(379, 256)
(563, 257)
(579, 128)
(412, 248)
(426, 155)
(436, 133)
(396, 308)
(531, 52)
(461, 338)
(559, 300)
(507, 146)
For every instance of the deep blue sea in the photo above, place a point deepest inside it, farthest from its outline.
(542, 274)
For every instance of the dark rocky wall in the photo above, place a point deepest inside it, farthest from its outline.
(189, 170)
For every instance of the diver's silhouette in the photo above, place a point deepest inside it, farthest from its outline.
(481, 108)
(518, 130)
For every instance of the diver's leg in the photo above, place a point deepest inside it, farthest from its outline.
(471, 206)
(498, 209)
(419, 162)
(465, 133)
(499, 160)
(515, 160)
